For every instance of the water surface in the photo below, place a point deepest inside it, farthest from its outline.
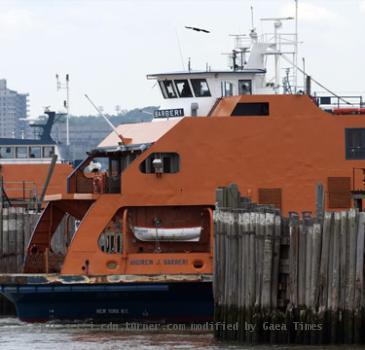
(16, 335)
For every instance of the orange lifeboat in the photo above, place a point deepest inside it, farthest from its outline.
(190, 234)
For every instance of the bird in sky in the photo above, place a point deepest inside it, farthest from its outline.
(198, 29)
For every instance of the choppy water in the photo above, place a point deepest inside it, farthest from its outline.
(16, 335)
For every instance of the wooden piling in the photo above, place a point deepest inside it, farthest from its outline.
(350, 280)
(20, 214)
(276, 261)
(314, 277)
(293, 259)
(308, 229)
(12, 233)
(359, 281)
(5, 239)
(315, 266)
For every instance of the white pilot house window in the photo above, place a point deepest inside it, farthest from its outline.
(245, 87)
(200, 87)
(183, 88)
(168, 89)
(227, 88)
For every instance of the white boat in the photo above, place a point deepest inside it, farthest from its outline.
(181, 234)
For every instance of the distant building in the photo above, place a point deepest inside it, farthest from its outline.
(13, 108)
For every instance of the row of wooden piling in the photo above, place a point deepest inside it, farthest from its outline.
(246, 254)
(16, 227)
(326, 276)
(16, 224)
(288, 280)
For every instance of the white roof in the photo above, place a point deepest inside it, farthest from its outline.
(140, 133)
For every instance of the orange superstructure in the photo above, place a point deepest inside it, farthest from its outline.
(275, 158)
(23, 180)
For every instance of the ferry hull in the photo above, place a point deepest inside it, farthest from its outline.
(143, 302)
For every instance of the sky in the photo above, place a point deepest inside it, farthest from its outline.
(109, 46)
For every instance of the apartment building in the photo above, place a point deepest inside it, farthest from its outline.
(13, 109)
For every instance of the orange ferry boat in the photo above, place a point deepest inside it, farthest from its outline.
(144, 247)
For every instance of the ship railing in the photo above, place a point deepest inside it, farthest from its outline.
(331, 103)
(20, 191)
(283, 38)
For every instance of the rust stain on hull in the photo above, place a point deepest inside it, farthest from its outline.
(41, 279)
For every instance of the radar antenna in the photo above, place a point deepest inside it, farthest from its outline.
(252, 20)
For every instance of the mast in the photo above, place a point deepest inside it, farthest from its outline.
(68, 110)
(277, 25)
(277, 44)
(252, 20)
(295, 70)
(66, 103)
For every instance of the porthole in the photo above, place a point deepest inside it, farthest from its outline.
(111, 265)
(198, 264)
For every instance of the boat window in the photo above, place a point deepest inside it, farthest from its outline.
(48, 151)
(227, 88)
(169, 89)
(245, 87)
(7, 152)
(162, 88)
(355, 143)
(200, 87)
(183, 88)
(114, 166)
(110, 242)
(170, 163)
(251, 109)
(35, 152)
(115, 169)
(22, 152)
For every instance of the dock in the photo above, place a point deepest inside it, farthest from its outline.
(287, 280)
